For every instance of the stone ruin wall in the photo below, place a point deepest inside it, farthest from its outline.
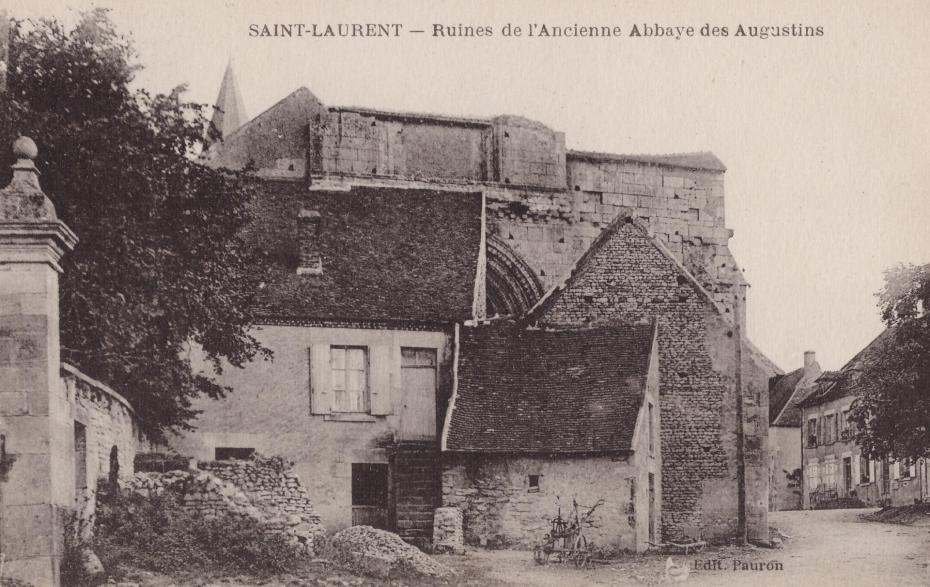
(547, 202)
(629, 280)
(264, 489)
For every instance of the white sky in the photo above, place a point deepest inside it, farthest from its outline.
(826, 140)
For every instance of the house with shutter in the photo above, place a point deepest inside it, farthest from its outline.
(836, 473)
(359, 294)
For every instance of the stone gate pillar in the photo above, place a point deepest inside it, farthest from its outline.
(36, 422)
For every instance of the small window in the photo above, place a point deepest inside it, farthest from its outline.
(829, 428)
(349, 367)
(813, 476)
(533, 484)
(228, 453)
(80, 456)
(812, 432)
(845, 425)
(864, 470)
(417, 357)
(369, 485)
(652, 444)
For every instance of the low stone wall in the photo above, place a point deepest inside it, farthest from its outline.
(111, 431)
(269, 482)
(264, 489)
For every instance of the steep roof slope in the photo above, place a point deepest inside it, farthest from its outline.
(548, 391)
(388, 254)
(229, 113)
(780, 392)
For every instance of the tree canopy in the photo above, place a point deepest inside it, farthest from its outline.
(892, 411)
(160, 265)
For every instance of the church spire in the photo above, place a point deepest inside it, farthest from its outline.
(228, 112)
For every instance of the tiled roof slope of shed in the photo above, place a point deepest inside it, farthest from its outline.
(780, 395)
(387, 254)
(836, 384)
(525, 390)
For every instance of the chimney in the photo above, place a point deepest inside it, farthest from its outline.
(810, 358)
(308, 242)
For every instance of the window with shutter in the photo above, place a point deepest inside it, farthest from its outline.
(812, 432)
(349, 373)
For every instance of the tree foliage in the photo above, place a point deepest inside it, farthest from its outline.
(892, 411)
(160, 263)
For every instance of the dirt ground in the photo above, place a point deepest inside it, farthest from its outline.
(824, 548)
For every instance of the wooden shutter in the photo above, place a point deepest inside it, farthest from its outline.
(380, 380)
(320, 380)
(872, 471)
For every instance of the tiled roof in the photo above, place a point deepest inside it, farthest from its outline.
(525, 390)
(782, 387)
(388, 254)
(836, 384)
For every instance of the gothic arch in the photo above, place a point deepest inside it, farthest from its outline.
(512, 287)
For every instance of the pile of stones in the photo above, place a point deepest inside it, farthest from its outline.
(382, 554)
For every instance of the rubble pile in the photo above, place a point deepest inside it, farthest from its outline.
(268, 493)
(447, 531)
(381, 553)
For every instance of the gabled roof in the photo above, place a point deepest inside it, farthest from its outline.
(525, 390)
(836, 384)
(781, 390)
(550, 297)
(388, 254)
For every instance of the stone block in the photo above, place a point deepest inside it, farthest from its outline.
(14, 403)
(32, 571)
(27, 531)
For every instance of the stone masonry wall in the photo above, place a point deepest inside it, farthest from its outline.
(109, 423)
(371, 144)
(269, 483)
(629, 279)
(264, 489)
(546, 202)
(500, 510)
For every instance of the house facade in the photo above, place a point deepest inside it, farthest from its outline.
(836, 473)
(541, 208)
(542, 419)
(785, 391)
(357, 304)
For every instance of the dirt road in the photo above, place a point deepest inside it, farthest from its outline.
(826, 548)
